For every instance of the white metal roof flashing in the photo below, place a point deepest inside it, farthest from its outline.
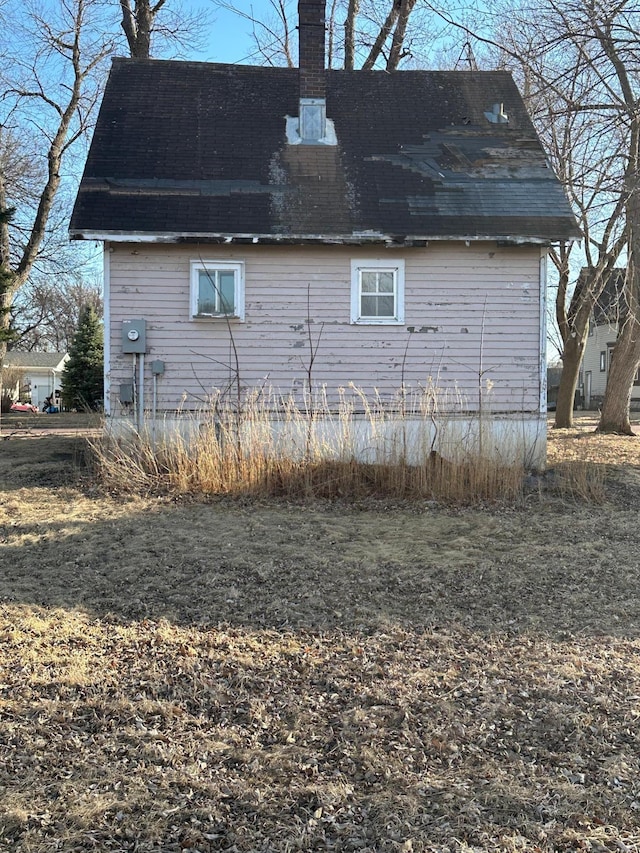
(295, 137)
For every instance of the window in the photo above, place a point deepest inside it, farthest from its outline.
(603, 361)
(377, 291)
(217, 289)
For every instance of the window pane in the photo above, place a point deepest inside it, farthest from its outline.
(227, 291)
(368, 280)
(369, 306)
(206, 292)
(385, 306)
(377, 306)
(385, 282)
(377, 291)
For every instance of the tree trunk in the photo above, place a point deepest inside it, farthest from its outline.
(128, 25)
(143, 36)
(625, 358)
(396, 54)
(626, 354)
(571, 359)
(349, 34)
(383, 35)
(7, 278)
(574, 329)
(137, 24)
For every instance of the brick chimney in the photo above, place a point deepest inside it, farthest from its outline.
(311, 25)
(313, 105)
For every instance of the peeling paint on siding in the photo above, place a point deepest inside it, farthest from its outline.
(155, 286)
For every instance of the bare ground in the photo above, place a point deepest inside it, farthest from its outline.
(275, 677)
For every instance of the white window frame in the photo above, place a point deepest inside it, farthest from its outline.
(237, 267)
(377, 265)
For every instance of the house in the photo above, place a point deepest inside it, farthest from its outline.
(34, 375)
(609, 312)
(391, 228)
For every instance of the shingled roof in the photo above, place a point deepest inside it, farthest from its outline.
(35, 360)
(188, 151)
(611, 306)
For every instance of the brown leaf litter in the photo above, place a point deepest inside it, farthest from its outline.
(240, 676)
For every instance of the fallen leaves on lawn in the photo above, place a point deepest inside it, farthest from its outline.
(273, 678)
(147, 736)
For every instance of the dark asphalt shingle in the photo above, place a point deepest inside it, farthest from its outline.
(186, 148)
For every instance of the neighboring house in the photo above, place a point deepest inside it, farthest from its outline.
(609, 311)
(40, 375)
(398, 221)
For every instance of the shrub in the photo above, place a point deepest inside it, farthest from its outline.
(12, 381)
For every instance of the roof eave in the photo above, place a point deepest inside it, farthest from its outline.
(354, 239)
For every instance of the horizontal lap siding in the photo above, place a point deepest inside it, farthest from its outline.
(597, 342)
(467, 306)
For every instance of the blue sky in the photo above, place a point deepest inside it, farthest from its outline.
(231, 39)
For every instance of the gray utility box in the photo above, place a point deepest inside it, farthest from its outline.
(134, 336)
(126, 392)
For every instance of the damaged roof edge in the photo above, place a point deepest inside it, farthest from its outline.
(332, 239)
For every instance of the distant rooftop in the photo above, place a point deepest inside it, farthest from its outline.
(26, 360)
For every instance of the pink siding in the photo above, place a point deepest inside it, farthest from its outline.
(459, 300)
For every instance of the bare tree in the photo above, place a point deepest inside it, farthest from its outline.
(605, 39)
(588, 176)
(137, 23)
(145, 22)
(397, 51)
(47, 93)
(349, 34)
(617, 32)
(46, 311)
(375, 32)
(272, 33)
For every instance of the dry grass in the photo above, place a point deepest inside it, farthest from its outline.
(202, 467)
(253, 675)
(157, 737)
(27, 423)
(405, 449)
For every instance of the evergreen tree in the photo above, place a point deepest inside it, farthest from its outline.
(82, 378)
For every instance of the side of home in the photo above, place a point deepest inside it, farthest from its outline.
(286, 232)
(465, 320)
(596, 365)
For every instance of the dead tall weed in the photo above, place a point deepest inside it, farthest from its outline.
(276, 448)
(202, 468)
(579, 479)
